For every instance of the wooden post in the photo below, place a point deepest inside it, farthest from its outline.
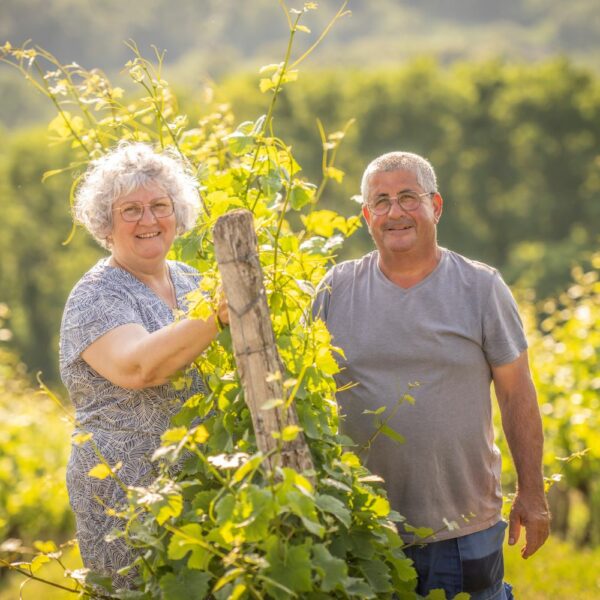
(258, 362)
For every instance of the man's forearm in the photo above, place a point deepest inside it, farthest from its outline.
(522, 424)
(521, 421)
(522, 427)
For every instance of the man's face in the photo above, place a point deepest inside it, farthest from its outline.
(401, 231)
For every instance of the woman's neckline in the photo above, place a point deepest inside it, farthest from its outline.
(173, 305)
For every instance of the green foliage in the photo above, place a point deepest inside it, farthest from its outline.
(226, 526)
(558, 570)
(564, 356)
(212, 37)
(37, 271)
(33, 454)
(567, 363)
(515, 147)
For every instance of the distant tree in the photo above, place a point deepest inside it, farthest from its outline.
(566, 367)
(37, 271)
(515, 148)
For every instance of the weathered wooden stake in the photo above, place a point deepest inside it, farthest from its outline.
(258, 361)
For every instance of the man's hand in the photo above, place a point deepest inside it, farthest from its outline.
(531, 512)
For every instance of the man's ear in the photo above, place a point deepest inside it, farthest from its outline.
(366, 215)
(438, 206)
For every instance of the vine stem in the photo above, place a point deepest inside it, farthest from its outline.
(44, 389)
(58, 107)
(327, 164)
(195, 540)
(269, 117)
(33, 577)
(342, 12)
(284, 68)
(383, 424)
(277, 234)
(44, 89)
(67, 73)
(152, 92)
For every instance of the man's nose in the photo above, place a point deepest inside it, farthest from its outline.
(396, 209)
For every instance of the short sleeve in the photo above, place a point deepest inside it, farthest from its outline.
(320, 306)
(185, 277)
(503, 335)
(90, 312)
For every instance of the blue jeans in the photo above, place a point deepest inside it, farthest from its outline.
(472, 563)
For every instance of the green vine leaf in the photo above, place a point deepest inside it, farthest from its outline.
(187, 585)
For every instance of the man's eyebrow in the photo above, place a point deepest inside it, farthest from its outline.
(404, 191)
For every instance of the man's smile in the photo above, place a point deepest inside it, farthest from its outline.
(398, 226)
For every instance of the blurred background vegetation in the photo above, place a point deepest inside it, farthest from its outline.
(503, 98)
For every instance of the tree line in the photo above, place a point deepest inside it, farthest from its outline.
(221, 34)
(516, 149)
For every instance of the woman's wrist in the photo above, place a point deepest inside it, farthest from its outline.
(220, 324)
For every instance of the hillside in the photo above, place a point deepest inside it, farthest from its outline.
(212, 38)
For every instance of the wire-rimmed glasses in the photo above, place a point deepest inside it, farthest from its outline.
(134, 211)
(408, 201)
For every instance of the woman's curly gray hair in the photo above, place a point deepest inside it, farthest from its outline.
(126, 168)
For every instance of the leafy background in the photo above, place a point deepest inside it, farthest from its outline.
(504, 99)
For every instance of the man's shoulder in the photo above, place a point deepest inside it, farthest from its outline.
(341, 283)
(469, 267)
(351, 269)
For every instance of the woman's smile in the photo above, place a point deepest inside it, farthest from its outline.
(146, 236)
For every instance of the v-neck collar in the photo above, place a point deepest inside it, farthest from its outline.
(383, 278)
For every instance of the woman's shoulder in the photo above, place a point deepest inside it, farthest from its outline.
(184, 273)
(104, 284)
(99, 281)
(183, 267)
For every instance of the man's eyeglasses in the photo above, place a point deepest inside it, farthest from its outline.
(408, 201)
(134, 211)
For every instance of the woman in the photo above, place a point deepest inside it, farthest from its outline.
(119, 344)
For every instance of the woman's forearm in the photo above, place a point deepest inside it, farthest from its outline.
(130, 357)
(160, 354)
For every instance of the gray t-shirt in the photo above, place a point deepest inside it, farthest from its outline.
(126, 424)
(443, 333)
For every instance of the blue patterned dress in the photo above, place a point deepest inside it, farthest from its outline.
(126, 424)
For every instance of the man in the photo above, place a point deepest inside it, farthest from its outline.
(415, 315)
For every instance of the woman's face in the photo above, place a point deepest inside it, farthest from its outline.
(147, 238)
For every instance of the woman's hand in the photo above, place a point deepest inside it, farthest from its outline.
(222, 313)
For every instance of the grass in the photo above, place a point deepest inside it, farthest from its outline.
(557, 570)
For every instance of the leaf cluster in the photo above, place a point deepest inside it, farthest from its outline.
(566, 370)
